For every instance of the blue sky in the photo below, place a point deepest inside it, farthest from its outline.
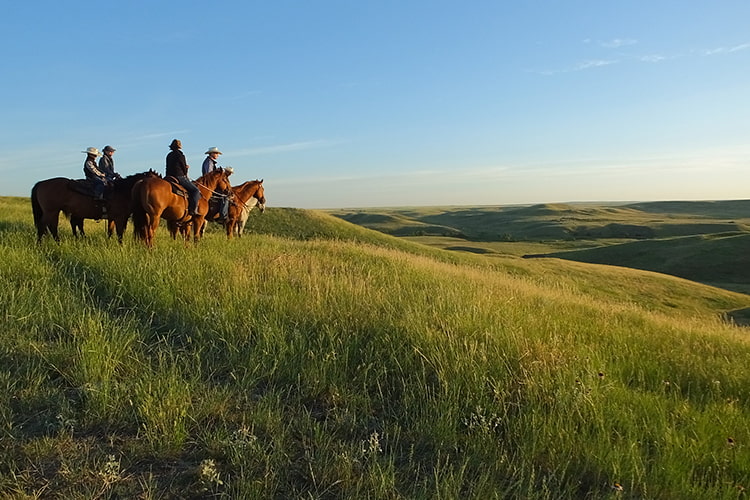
(389, 103)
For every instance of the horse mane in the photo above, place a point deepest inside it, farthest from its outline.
(213, 173)
(127, 183)
(248, 183)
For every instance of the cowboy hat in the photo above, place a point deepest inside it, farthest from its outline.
(108, 148)
(92, 151)
(212, 150)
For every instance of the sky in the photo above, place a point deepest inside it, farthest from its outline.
(389, 103)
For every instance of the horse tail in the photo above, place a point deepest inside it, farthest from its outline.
(36, 208)
(138, 211)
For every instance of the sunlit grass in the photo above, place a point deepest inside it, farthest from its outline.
(304, 362)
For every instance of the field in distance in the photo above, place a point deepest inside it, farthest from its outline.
(703, 241)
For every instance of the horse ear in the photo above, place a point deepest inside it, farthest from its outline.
(261, 181)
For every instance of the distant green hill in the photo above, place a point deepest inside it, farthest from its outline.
(559, 221)
(721, 259)
(711, 209)
(703, 241)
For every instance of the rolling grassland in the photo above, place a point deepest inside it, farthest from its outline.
(314, 358)
(699, 241)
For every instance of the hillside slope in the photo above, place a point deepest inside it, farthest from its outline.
(313, 358)
(599, 281)
(719, 259)
(559, 221)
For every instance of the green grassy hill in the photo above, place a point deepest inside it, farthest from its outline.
(700, 241)
(560, 221)
(724, 209)
(314, 358)
(719, 259)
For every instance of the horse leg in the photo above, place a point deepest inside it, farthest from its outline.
(111, 229)
(172, 227)
(241, 228)
(80, 227)
(196, 225)
(152, 226)
(119, 226)
(74, 226)
(230, 224)
(50, 222)
(41, 228)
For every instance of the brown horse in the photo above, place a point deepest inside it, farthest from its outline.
(154, 199)
(244, 197)
(51, 196)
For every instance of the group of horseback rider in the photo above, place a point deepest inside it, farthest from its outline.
(103, 174)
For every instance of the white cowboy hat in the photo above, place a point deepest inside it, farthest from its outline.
(213, 150)
(92, 151)
(229, 170)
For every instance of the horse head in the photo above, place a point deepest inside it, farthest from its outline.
(260, 195)
(216, 180)
(223, 184)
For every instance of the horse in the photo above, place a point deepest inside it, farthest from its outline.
(244, 198)
(155, 198)
(75, 199)
(76, 223)
(116, 222)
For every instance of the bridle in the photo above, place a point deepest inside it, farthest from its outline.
(212, 191)
(244, 204)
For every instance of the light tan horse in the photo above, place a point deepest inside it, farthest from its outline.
(154, 199)
(256, 198)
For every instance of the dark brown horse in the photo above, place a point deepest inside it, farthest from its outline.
(154, 199)
(244, 198)
(59, 194)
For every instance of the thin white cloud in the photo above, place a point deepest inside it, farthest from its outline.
(726, 50)
(647, 58)
(618, 42)
(652, 58)
(595, 63)
(740, 47)
(582, 66)
(284, 148)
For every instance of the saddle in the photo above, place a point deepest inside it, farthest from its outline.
(176, 187)
(86, 187)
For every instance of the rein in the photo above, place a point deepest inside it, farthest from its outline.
(244, 204)
(213, 193)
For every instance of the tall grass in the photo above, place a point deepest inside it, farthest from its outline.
(305, 361)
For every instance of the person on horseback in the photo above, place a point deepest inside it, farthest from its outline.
(107, 164)
(209, 165)
(177, 167)
(93, 174)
